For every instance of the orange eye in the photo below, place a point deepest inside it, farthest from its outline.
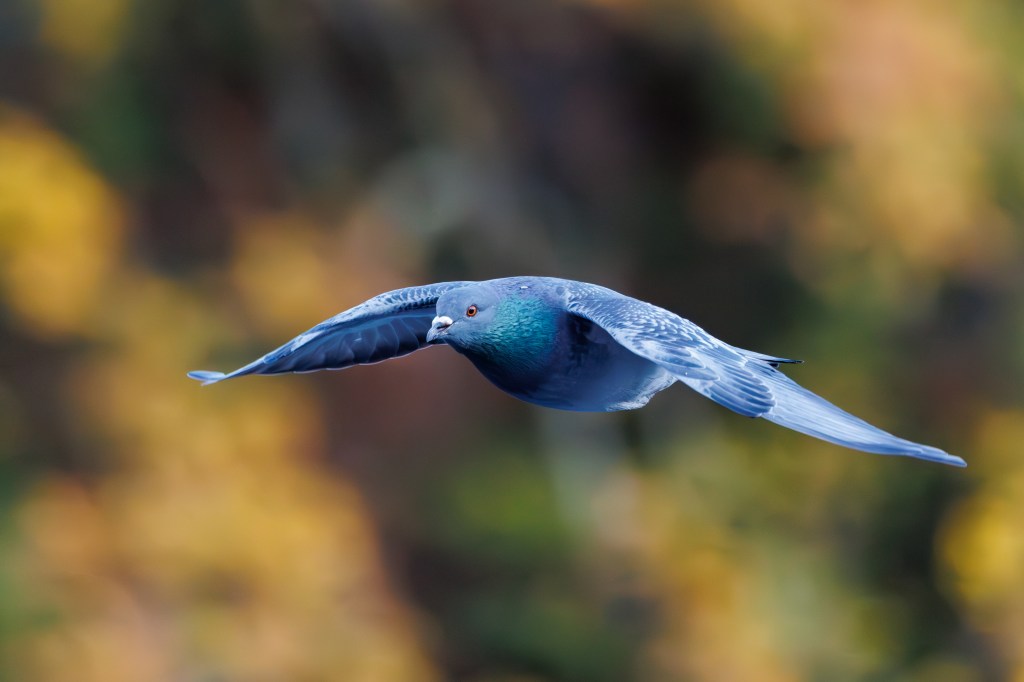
(471, 311)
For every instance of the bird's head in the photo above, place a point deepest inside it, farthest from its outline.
(464, 315)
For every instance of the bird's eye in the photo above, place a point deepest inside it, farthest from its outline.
(471, 311)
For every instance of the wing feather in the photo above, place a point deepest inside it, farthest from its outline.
(746, 382)
(386, 326)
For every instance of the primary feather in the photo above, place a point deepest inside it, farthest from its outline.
(574, 346)
(386, 326)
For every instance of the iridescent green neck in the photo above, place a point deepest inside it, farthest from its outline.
(522, 335)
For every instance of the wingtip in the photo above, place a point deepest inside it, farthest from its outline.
(206, 377)
(940, 456)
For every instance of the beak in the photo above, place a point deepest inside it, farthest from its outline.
(438, 328)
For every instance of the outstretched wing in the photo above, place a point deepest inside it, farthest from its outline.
(386, 326)
(746, 382)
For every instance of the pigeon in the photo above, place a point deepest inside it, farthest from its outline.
(573, 346)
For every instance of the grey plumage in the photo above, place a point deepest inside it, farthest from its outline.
(574, 346)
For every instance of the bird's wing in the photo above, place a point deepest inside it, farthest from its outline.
(386, 326)
(746, 382)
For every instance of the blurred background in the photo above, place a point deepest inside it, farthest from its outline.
(188, 184)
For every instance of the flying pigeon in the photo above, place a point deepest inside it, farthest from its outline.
(573, 346)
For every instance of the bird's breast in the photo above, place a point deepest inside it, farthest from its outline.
(582, 368)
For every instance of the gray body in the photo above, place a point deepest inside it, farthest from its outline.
(587, 371)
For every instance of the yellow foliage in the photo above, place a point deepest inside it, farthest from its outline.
(60, 230)
(708, 593)
(217, 541)
(83, 30)
(292, 274)
(982, 546)
(902, 96)
(903, 87)
(282, 269)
